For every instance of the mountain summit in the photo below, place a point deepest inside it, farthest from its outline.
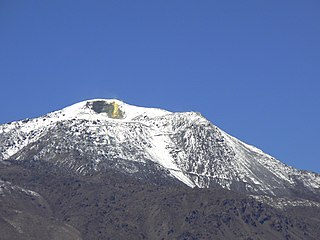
(98, 135)
(106, 109)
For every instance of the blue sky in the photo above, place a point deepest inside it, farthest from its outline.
(251, 67)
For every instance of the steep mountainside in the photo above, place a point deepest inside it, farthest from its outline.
(103, 169)
(96, 135)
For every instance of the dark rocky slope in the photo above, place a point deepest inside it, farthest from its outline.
(114, 205)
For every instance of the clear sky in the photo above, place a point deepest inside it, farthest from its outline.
(252, 67)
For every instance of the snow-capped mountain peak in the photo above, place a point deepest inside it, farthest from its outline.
(95, 135)
(106, 109)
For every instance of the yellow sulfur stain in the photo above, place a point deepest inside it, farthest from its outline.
(116, 112)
